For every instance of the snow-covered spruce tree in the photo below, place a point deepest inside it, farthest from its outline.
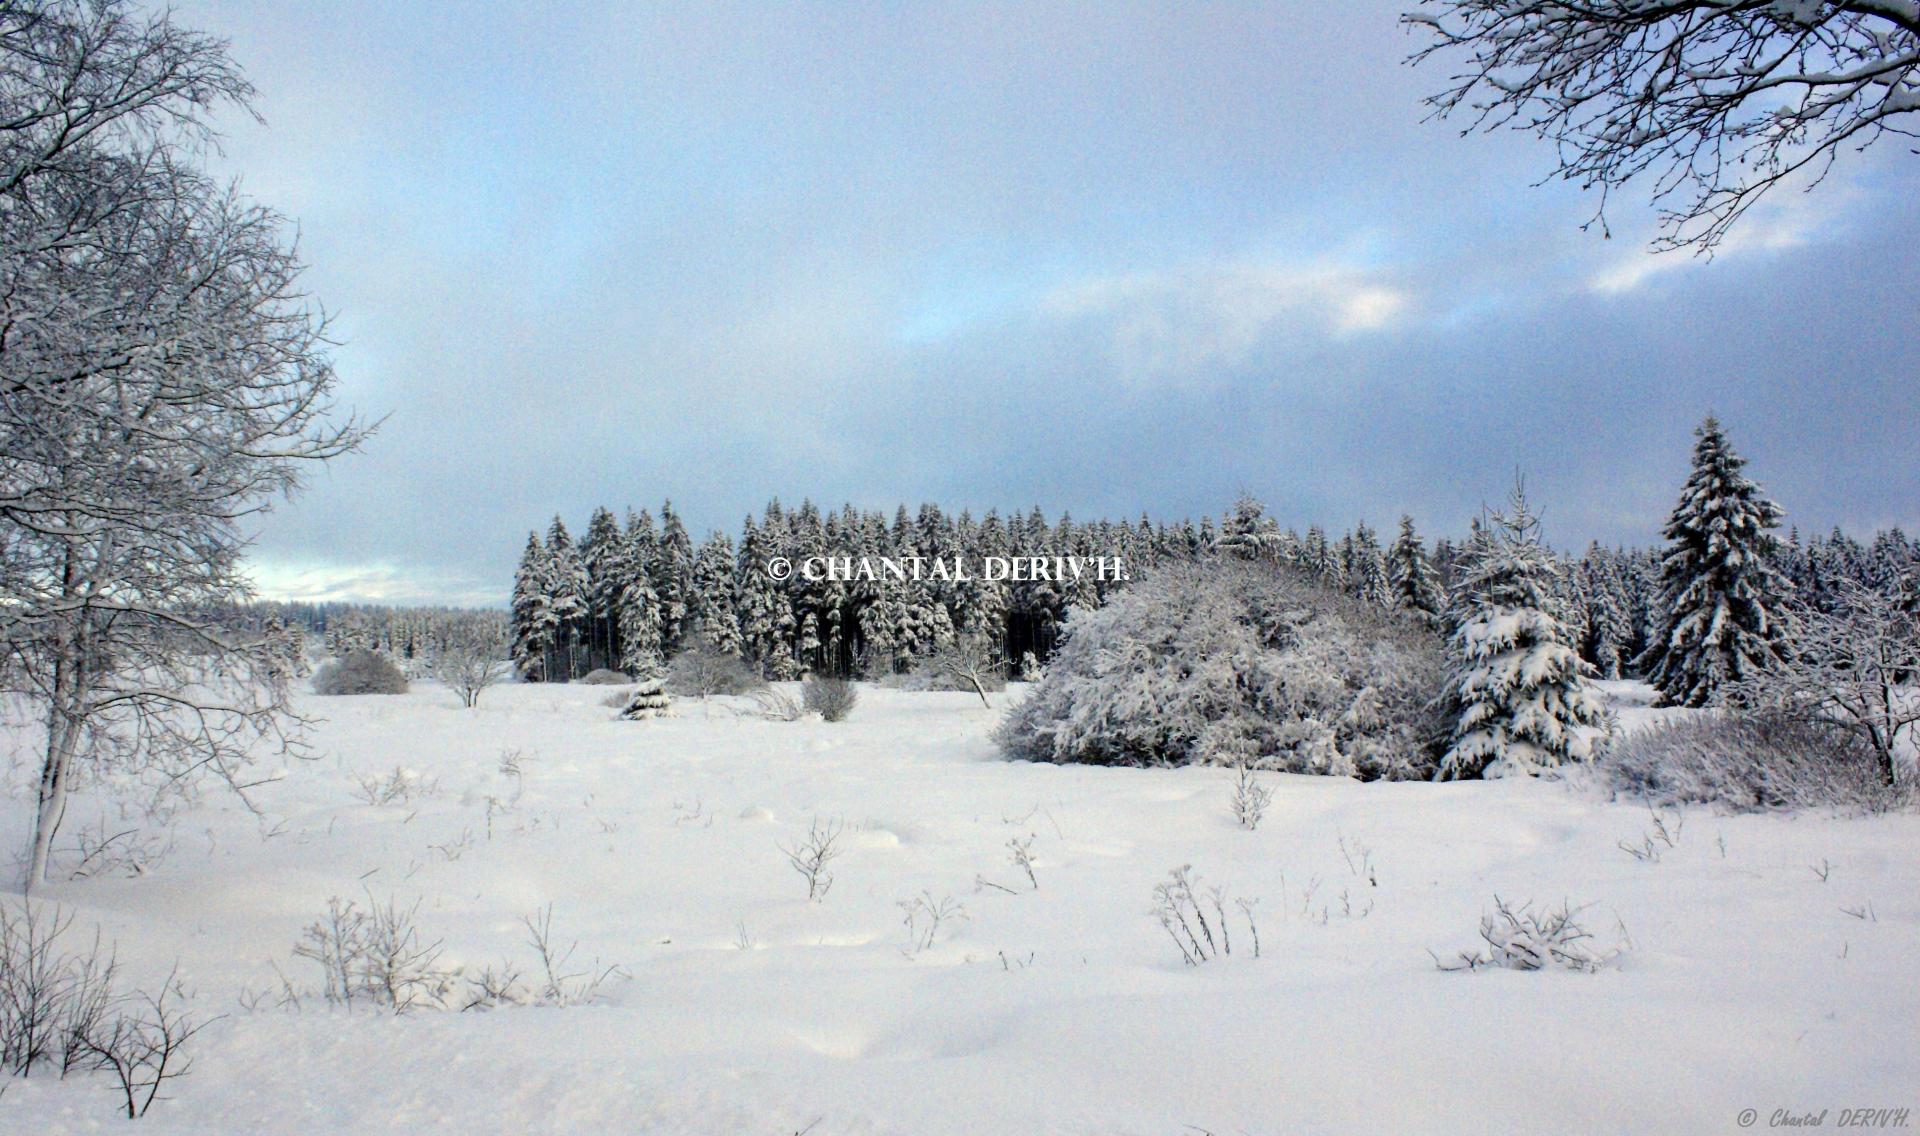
(162, 378)
(604, 555)
(1718, 594)
(672, 572)
(638, 618)
(569, 598)
(1608, 627)
(716, 605)
(1517, 686)
(1415, 585)
(1247, 533)
(534, 625)
(649, 700)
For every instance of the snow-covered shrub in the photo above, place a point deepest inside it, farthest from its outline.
(925, 916)
(1181, 911)
(557, 982)
(1250, 798)
(375, 956)
(61, 1009)
(1236, 663)
(776, 705)
(360, 672)
(605, 677)
(1747, 761)
(50, 989)
(1522, 939)
(831, 698)
(810, 856)
(700, 671)
(402, 785)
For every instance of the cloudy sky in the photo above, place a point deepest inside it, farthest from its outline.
(1099, 257)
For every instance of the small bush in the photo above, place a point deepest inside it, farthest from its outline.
(61, 1009)
(1250, 798)
(831, 698)
(1747, 762)
(700, 671)
(605, 677)
(811, 856)
(1521, 939)
(1182, 912)
(776, 705)
(375, 956)
(360, 672)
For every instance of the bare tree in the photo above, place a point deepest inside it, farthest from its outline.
(162, 380)
(1851, 668)
(970, 663)
(469, 662)
(1716, 101)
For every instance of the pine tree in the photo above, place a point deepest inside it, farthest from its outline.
(649, 700)
(672, 574)
(716, 604)
(1608, 623)
(1717, 594)
(533, 621)
(638, 619)
(603, 557)
(1368, 575)
(1246, 532)
(1517, 684)
(1415, 586)
(568, 592)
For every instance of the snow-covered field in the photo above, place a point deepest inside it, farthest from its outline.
(1061, 1009)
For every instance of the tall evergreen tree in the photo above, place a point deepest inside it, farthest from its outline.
(638, 618)
(533, 622)
(716, 598)
(603, 557)
(1415, 585)
(1517, 684)
(568, 594)
(1718, 594)
(1367, 575)
(672, 573)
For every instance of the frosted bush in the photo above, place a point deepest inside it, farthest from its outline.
(1520, 938)
(1747, 762)
(1231, 663)
(360, 672)
(831, 698)
(701, 670)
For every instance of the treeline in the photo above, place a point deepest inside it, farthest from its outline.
(402, 632)
(631, 594)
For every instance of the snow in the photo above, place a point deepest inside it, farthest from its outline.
(1745, 984)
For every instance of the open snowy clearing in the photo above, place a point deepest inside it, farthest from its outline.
(1059, 1009)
